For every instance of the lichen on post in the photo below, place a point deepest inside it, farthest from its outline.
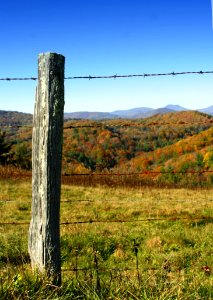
(44, 232)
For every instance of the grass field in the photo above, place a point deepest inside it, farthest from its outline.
(127, 255)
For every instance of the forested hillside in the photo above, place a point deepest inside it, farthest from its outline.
(10, 118)
(110, 144)
(180, 141)
(184, 162)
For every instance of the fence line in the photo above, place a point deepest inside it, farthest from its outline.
(51, 67)
(144, 75)
(137, 125)
(140, 220)
(132, 174)
(100, 269)
(141, 75)
(78, 200)
(18, 78)
(138, 173)
(172, 219)
(17, 126)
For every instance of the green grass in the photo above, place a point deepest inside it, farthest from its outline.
(172, 256)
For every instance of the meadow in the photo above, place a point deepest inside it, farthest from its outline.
(116, 243)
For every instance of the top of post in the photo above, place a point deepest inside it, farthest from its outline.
(50, 54)
(50, 58)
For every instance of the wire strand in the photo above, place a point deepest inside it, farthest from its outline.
(114, 76)
(210, 122)
(138, 173)
(118, 221)
(140, 75)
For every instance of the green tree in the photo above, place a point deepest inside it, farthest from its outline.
(199, 160)
(5, 149)
(22, 156)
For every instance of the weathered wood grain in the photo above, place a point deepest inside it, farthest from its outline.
(44, 232)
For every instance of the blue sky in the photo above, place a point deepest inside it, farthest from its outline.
(107, 37)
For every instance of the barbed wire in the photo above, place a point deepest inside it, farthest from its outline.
(115, 76)
(145, 173)
(210, 122)
(18, 78)
(62, 201)
(17, 126)
(90, 221)
(140, 75)
(14, 223)
(101, 269)
(137, 125)
(138, 220)
(138, 173)
(78, 200)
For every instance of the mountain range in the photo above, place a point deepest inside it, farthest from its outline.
(134, 113)
(19, 118)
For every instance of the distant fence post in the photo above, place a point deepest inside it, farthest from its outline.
(44, 232)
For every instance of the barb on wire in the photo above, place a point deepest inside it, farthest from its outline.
(115, 76)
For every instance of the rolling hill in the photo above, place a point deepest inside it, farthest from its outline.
(10, 118)
(208, 110)
(112, 143)
(173, 141)
(184, 162)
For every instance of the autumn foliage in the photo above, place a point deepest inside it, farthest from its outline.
(178, 145)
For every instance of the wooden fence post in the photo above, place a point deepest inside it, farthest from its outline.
(44, 232)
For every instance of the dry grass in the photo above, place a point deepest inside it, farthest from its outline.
(173, 256)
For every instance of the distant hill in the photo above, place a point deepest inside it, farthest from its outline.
(175, 107)
(161, 111)
(180, 117)
(208, 110)
(134, 113)
(131, 113)
(10, 118)
(90, 115)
